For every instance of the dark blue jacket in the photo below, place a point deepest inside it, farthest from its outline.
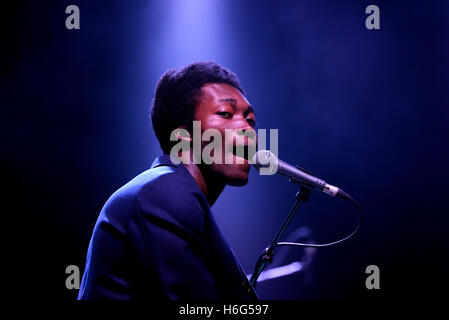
(156, 238)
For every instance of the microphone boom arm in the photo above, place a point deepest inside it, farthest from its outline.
(267, 255)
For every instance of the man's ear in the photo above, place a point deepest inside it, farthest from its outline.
(182, 134)
(180, 151)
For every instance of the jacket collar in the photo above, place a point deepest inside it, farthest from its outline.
(163, 160)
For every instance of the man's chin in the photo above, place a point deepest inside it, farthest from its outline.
(237, 180)
(232, 174)
(238, 183)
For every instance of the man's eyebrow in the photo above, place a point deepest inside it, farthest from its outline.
(233, 102)
(229, 100)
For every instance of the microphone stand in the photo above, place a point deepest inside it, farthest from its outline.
(266, 257)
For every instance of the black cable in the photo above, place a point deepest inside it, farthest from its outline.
(313, 245)
(266, 256)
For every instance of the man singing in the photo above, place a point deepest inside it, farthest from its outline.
(156, 237)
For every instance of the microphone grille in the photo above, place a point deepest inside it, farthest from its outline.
(263, 158)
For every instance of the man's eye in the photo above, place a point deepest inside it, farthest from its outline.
(225, 114)
(251, 122)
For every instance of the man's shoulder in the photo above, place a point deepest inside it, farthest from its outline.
(163, 192)
(155, 180)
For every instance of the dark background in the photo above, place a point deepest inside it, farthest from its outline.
(367, 110)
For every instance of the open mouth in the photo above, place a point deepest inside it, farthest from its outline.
(243, 151)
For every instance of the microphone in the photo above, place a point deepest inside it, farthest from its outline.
(268, 164)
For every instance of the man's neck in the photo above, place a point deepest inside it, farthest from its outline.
(210, 187)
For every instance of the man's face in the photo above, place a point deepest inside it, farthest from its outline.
(224, 107)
